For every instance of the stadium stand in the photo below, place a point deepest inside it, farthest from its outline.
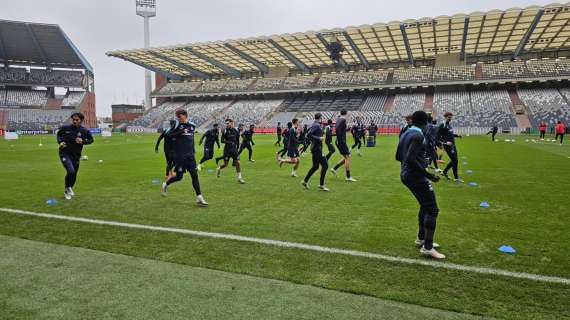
(213, 86)
(249, 111)
(202, 112)
(546, 105)
(335, 80)
(25, 98)
(456, 102)
(298, 82)
(55, 77)
(413, 75)
(73, 99)
(543, 68)
(13, 75)
(455, 73)
(237, 85)
(282, 117)
(505, 70)
(269, 84)
(490, 108)
(374, 103)
(30, 119)
(404, 104)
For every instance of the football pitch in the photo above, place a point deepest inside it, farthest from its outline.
(269, 249)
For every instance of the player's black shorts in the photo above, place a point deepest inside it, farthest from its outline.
(169, 158)
(231, 153)
(293, 153)
(208, 152)
(343, 148)
(187, 163)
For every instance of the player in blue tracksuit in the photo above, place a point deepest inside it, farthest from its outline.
(342, 146)
(413, 174)
(168, 149)
(184, 154)
(230, 139)
(328, 139)
(447, 137)
(247, 142)
(71, 138)
(212, 137)
(293, 140)
(315, 135)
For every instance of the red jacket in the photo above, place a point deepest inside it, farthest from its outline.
(560, 128)
(542, 127)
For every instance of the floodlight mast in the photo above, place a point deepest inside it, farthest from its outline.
(147, 10)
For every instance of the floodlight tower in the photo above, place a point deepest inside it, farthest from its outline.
(147, 10)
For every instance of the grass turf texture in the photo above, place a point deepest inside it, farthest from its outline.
(37, 279)
(525, 184)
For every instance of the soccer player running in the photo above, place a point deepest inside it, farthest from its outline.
(281, 153)
(560, 129)
(372, 131)
(315, 134)
(247, 142)
(493, 132)
(71, 139)
(184, 155)
(212, 137)
(304, 140)
(411, 154)
(357, 132)
(279, 131)
(292, 148)
(168, 149)
(230, 139)
(431, 139)
(447, 137)
(342, 146)
(328, 139)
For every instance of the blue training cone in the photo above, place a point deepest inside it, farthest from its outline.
(155, 181)
(507, 249)
(473, 184)
(51, 202)
(469, 171)
(484, 204)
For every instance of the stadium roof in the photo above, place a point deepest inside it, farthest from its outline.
(40, 45)
(509, 32)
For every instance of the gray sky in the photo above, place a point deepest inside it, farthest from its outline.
(97, 26)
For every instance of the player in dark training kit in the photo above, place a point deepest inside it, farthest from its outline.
(447, 138)
(304, 141)
(358, 132)
(212, 137)
(281, 153)
(247, 142)
(494, 130)
(328, 139)
(315, 134)
(230, 139)
(71, 138)
(411, 154)
(278, 131)
(184, 154)
(168, 149)
(293, 140)
(342, 146)
(372, 131)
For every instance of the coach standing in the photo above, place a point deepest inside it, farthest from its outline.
(71, 139)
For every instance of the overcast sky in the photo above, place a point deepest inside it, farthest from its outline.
(98, 26)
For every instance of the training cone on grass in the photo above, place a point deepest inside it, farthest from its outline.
(51, 202)
(507, 249)
(484, 204)
(473, 184)
(155, 181)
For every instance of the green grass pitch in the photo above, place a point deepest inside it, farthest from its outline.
(527, 185)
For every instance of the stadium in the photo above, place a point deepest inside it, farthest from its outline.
(131, 244)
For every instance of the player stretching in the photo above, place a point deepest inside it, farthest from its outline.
(328, 138)
(278, 130)
(342, 147)
(315, 134)
(411, 154)
(292, 148)
(211, 136)
(447, 137)
(184, 155)
(247, 142)
(71, 139)
(230, 139)
(168, 149)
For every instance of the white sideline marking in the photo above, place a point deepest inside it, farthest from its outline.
(286, 244)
